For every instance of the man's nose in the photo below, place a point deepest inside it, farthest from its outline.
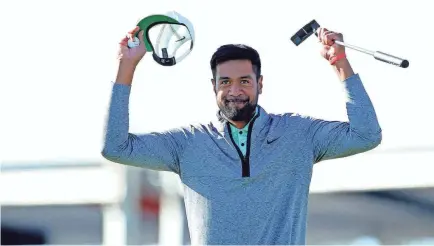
(235, 90)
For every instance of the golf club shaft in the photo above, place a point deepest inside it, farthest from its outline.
(381, 56)
(355, 48)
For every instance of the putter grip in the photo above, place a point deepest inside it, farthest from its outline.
(381, 56)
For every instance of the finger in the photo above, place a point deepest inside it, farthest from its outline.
(134, 30)
(324, 34)
(132, 33)
(141, 40)
(318, 32)
(124, 41)
(123, 45)
(321, 33)
(141, 36)
(327, 38)
(331, 37)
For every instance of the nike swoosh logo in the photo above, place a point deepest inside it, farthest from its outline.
(270, 141)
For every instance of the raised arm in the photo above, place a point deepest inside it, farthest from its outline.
(156, 151)
(333, 139)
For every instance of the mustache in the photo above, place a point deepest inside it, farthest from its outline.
(237, 99)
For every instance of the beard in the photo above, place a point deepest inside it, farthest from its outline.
(231, 112)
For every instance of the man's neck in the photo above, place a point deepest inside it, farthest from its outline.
(238, 124)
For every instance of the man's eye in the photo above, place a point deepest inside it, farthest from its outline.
(245, 81)
(224, 82)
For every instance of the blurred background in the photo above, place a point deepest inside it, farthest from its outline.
(56, 84)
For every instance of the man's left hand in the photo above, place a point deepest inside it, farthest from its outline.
(327, 39)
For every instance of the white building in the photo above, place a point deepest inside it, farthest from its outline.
(95, 204)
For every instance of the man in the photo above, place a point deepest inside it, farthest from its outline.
(246, 180)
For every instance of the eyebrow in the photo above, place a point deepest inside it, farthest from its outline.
(242, 77)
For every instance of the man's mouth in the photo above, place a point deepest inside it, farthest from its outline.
(237, 101)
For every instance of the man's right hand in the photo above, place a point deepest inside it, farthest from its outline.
(129, 57)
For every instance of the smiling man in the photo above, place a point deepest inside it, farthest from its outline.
(237, 84)
(246, 179)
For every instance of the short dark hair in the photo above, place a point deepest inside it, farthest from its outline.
(230, 52)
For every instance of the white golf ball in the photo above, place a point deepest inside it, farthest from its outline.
(134, 43)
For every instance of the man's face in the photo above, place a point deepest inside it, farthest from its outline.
(237, 89)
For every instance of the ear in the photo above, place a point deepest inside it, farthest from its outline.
(260, 84)
(213, 86)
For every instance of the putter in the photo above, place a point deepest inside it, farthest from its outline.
(313, 26)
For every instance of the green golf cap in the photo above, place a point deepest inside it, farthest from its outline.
(165, 35)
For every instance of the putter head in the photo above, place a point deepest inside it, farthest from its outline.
(305, 32)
